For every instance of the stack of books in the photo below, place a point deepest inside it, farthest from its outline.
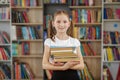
(64, 54)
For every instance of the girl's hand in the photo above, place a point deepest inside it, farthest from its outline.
(70, 64)
(58, 64)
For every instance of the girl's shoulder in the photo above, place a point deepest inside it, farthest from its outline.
(47, 42)
(48, 39)
(75, 41)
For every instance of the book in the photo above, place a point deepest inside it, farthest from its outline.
(64, 54)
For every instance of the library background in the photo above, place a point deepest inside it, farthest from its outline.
(24, 27)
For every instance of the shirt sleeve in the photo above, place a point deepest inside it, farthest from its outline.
(47, 42)
(77, 43)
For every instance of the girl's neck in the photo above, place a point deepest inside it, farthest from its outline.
(62, 36)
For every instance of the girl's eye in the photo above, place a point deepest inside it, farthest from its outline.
(65, 21)
(58, 21)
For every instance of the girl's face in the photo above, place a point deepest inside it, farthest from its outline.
(61, 23)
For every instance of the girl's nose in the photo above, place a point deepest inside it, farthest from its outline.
(61, 24)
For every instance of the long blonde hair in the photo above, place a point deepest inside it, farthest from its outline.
(52, 31)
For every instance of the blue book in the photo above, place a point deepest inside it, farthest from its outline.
(22, 72)
(79, 15)
(33, 32)
(25, 33)
(98, 33)
(53, 1)
(112, 36)
(82, 50)
(82, 32)
(105, 13)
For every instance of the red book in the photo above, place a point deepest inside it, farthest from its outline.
(12, 3)
(93, 52)
(25, 16)
(118, 13)
(6, 36)
(118, 74)
(89, 16)
(3, 54)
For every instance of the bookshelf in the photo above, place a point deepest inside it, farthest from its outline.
(110, 51)
(34, 52)
(5, 41)
(27, 39)
(93, 59)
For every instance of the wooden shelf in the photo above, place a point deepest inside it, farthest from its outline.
(87, 24)
(4, 20)
(5, 60)
(27, 7)
(27, 24)
(5, 44)
(5, 4)
(111, 44)
(41, 78)
(35, 40)
(85, 7)
(111, 3)
(28, 56)
(111, 61)
(91, 56)
(54, 4)
(85, 40)
(111, 20)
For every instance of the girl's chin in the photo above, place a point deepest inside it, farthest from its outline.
(61, 31)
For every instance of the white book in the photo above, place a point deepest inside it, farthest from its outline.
(104, 55)
(90, 2)
(13, 33)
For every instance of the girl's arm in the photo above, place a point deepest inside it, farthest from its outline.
(79, 66)
(47, 65)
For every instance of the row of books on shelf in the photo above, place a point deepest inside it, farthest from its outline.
(47, 19)
(22, 48)
(108, 73)
(83, 3)
(5, 71)
(110, 37)
(80, 16)
(5, 53)
(22, 70)
(4, 13)
(111, 53)
(24, 3)
(86, 49)
(20, 17)
(111, 0)
(90, 33)
(111, 13)
(85, 74)
(26, 32)
(55, 1)
(4, 1)
(74, 2)
(4, 37)
(86, 15)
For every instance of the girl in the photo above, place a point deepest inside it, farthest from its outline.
(60, 36)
